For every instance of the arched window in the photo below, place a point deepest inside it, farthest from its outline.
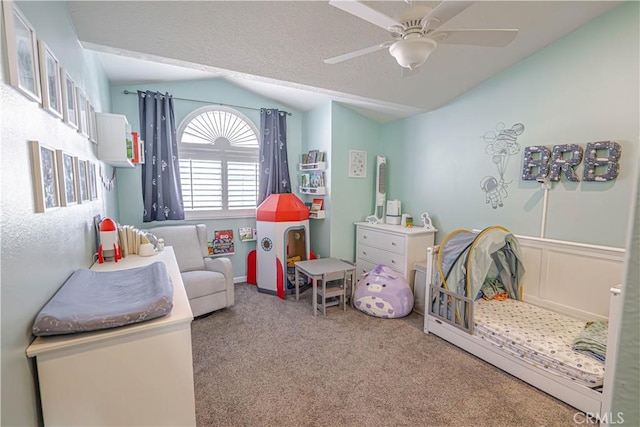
(218, 149)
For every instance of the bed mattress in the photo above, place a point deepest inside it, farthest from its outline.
(540, 337)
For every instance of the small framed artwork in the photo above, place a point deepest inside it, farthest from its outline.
(93, 130)
(68, 178)
(69, 109)
(45, 177)
(22, 52)
(83, 182)
(81, 105)
(357, 164)
(50, 78)
(92, 182)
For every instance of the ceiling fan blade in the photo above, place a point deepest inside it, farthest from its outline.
(491, 38)
(447, 10)
(365, 12)
(356, 53)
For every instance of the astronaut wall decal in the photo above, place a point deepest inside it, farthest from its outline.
(501, 145)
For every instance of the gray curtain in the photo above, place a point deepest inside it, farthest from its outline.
(274, 167)
(161, 191)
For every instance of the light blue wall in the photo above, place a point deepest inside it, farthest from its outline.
(583, 88)
(215, 91)
(317, 136)
(40, 250)
(352, 198)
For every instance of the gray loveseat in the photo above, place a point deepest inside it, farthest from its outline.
(208, 281)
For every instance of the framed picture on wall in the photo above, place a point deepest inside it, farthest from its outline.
(45, 177)
(81, 105)
(93, 128)
(22, 52)
(69, 109)
(50, 78)
(68, 178)
(83, 182)
(357, 164)
(92, 181)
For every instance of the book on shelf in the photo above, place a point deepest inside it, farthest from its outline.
(317, 205)
(311, 158)
(305, 179)
(316, 180)
(136, 148)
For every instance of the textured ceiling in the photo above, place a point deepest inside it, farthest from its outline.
(283, 43)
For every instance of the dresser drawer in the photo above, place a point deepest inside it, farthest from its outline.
(380, 256)
(363, 266)
(378, 239)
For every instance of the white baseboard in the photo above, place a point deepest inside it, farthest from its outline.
(240, 279)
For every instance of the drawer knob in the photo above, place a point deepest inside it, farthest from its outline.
(393, 243)
(364, 252)
(393, 261)
(364, 236)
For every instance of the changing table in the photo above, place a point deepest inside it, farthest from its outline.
(140, 374)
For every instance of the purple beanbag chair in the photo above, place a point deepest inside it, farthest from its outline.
(382, 292)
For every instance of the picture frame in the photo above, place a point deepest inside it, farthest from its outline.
(357, 164)
(81, 105)
(69, 103)
(22, 52)
(45, 177)
(92, 181)
(50, 80)
(68, 178)
(93, 128)
(83, 182)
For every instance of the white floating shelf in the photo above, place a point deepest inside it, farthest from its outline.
(320, 166)
(319, 191)
(317, 214)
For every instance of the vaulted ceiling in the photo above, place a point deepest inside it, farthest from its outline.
(277, 47)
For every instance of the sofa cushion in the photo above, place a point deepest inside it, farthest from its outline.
(186, 245)
(200, 283)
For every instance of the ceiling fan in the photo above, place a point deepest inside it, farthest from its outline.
(416, 32)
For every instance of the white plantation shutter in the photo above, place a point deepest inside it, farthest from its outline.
(218, 163)
(242, 184)
(201, 184)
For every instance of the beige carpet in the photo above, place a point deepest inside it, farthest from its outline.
(269, 362)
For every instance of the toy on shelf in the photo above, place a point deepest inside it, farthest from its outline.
(109, 245)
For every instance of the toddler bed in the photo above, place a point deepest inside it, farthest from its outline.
(529, 331)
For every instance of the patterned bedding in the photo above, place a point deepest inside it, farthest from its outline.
(538, 336)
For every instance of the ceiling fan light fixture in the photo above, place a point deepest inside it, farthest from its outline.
(412, 52)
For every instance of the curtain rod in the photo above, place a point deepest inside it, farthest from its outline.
(128, 92)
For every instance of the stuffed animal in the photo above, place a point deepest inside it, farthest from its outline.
(382, 292)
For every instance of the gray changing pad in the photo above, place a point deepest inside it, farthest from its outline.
(91, 300)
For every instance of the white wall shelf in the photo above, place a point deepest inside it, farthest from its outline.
(320, 166)
(115, 142)
(317, 214)
(316, 191)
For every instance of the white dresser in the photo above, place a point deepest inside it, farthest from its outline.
(392, 245)
(135, 375)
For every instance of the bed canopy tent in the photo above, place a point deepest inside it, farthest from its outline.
(472, 263)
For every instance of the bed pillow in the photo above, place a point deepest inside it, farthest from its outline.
(592, 340)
